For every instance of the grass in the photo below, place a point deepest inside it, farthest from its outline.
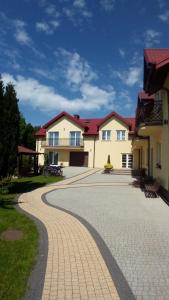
(18, 257)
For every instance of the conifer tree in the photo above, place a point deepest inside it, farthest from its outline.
(2, 112)
(10, 133)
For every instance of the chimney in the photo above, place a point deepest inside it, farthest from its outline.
(77, 117)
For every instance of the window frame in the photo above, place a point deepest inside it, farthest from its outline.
(119, 135)
(106, 135)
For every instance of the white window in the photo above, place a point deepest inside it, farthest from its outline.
(121, 135)
(158, 154)
(53, 158)
(106, 135)
(53, 138)
(75, 138)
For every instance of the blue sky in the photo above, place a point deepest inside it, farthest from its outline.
(79, 56)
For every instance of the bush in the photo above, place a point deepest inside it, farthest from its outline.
(4, 185)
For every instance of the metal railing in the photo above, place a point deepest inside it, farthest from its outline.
(150, 114)
(63, 143)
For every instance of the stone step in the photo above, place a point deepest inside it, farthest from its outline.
(122, 171)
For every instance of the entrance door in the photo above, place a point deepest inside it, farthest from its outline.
(127, 161)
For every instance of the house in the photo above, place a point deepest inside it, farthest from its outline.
(73, 141)
(151, 142)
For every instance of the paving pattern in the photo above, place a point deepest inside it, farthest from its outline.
(75, 267)
(134, 228)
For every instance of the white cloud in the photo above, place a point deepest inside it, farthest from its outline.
(75, 69)
(46, 98)
(77, 11)
(129, 77)
(48, 28)
(79, 3)
(121, 52)
(21, 34)
(55, 23)
(42, 26)
(108, 5)
(78, 70)
(151, 37)
(164, 16)
(125, 99)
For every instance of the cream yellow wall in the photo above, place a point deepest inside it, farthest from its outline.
(162, 174)
(40, 149)
(89, 147)
(142, 146)
(159, 136)
(64, 126)
(113, 147)
(98, 150)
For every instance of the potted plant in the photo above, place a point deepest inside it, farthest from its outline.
(108, 167)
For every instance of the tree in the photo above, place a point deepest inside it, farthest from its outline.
(1, 124)
(27, 134)
(9, 134)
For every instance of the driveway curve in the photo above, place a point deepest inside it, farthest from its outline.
(131, 231)
(74, 267)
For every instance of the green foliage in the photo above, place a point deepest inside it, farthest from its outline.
(27, 134)
(46, 159)
(9, 130)
(16, 257)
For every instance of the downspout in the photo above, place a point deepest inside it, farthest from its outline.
(94, 152)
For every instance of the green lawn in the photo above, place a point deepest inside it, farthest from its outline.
(17, 257)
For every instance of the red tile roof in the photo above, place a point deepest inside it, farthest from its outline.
(25, 150)
(62, 114)
(41, 132)
(144, 96)
(132, 122)
(90, 126)
(158, 57)
(114, 114)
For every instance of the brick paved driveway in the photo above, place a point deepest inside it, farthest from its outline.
(134, 228)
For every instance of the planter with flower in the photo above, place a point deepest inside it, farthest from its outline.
(108, 167)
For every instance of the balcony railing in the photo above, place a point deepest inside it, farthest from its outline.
(63, 143)
(150, 115)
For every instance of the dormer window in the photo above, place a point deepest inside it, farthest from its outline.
(121, 135)
(106, 135)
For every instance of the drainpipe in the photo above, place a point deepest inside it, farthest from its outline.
(94, 152)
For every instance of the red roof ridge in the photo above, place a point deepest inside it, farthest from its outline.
(63, 113)
(113, 113)
(90, 125)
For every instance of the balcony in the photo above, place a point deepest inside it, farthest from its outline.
(150, 119)
(150, 115)
(63, 143)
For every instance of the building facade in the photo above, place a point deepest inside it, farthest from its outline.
(151, 142)
(72, 141)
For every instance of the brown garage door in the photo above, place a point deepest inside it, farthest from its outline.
(79, 159)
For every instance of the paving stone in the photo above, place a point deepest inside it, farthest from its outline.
(134, 228)
(68, 238)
